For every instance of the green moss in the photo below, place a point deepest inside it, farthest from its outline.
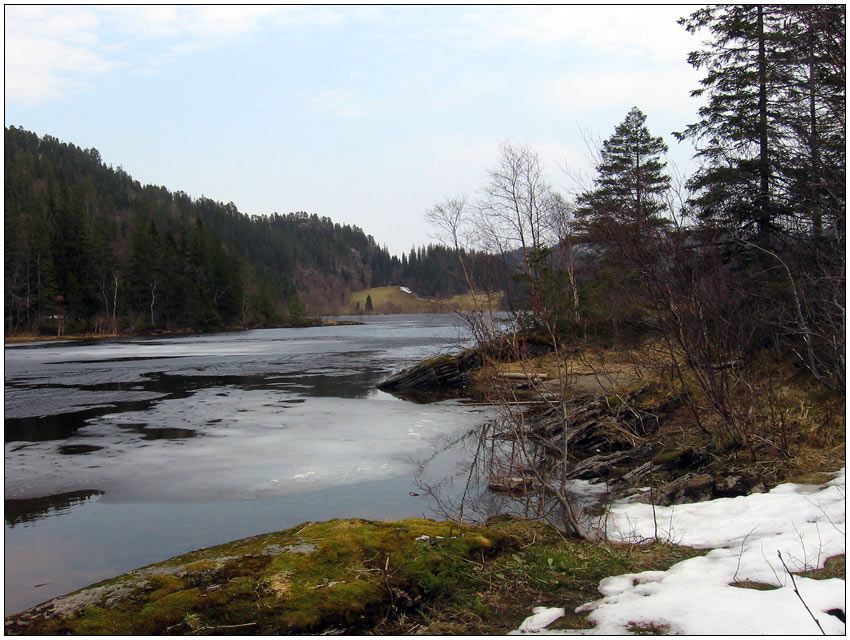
(201, 566)
(674, 457)
(162, 585)
(100, 621)
(440, 361)
(168, 610)
(362, 577)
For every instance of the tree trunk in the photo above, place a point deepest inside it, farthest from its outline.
(115, 304)
(153, 301)
(764, 159)
(814, 175)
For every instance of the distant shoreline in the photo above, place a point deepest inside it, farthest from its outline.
(29, 337)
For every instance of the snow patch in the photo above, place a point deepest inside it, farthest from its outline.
(542, 618)
(803, 523)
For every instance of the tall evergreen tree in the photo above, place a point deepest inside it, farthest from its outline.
(630, 181)
(813, 157)
(771, 134)
(772, 140)
(734, 134)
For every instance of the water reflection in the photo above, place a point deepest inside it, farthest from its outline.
(57, 426)
(159, 386)
(17, 512)
(198, 440)
(499, 475)
(77, 449)
(157, 433)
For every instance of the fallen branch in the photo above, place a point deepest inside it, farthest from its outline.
(523, 376)
(794, 582)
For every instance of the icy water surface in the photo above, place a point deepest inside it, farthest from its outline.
(125, 452)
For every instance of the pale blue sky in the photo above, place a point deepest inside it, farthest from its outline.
(368, 115)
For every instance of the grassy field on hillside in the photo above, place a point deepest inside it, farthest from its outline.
(389, 300)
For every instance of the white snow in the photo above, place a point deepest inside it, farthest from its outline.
(405, 290)
(805, 523)
(543, 617)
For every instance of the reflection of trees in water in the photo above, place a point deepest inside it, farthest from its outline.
(19, 511)
(498, 480)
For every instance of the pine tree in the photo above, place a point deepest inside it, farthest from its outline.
(369, 307)
(771, 138)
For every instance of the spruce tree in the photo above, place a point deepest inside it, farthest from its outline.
(628, 190)
(812, 159)
(771, 134)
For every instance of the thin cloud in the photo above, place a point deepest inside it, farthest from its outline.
(604, 28)
(51, 51)
(48, 53)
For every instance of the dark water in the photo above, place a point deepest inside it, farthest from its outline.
(122, 453)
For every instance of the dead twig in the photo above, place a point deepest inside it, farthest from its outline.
(794, 582)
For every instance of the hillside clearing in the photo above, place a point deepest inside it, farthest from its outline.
(394, 299)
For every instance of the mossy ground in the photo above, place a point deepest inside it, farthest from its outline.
(545, 569)
(354, 576)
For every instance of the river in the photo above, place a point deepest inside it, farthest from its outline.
(124, 452)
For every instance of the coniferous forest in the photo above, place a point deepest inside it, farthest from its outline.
(89, 249)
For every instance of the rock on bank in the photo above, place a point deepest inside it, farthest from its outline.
(441, 373)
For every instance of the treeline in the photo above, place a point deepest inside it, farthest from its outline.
(89, 249)
(433, 271)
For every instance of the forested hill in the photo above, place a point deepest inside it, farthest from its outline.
(88, 248)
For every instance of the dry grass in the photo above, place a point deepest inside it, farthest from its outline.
(391, 300)
(280, 584)
(788, 428)
(590, 372)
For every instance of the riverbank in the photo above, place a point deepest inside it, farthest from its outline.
(448, 582)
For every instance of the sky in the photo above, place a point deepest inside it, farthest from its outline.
(366, 114)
